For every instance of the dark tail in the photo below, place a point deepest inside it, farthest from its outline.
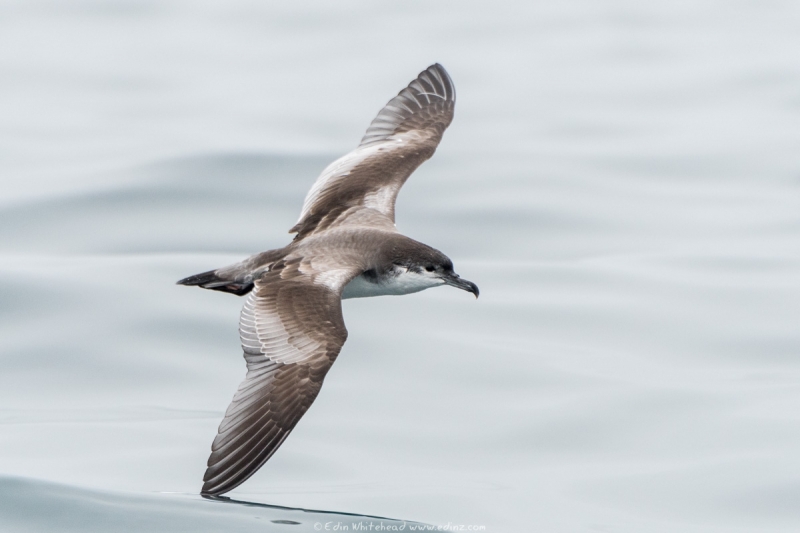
(210, 280)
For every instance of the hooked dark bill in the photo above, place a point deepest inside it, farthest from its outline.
(454, 280)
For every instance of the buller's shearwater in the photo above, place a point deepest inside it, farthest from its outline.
(346, 246)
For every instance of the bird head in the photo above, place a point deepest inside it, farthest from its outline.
(433, 267)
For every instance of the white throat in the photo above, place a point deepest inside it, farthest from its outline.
(401, 281)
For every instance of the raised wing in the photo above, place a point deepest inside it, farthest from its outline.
(362, 186)
(291, 330)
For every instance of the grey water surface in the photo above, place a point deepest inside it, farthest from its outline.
(622, 181)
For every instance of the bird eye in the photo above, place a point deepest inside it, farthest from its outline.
(430, 268)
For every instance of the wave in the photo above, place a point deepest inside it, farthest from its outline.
(28, 505)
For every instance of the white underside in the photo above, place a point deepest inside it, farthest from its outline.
(405, 283)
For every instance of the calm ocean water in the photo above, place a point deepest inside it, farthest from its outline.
(621, 180)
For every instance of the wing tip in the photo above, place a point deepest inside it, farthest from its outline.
(434, 81)
(216, 482)
(211, 494)
(443, 77)
(214, 489)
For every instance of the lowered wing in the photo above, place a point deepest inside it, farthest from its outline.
(291, 330)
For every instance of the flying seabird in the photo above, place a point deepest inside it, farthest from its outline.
(347, 246)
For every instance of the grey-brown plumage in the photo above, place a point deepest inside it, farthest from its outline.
(291, 326)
